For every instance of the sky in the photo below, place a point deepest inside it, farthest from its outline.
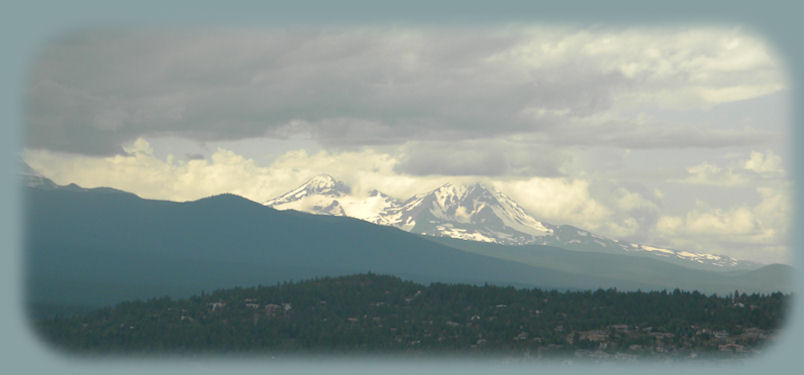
(673, 136)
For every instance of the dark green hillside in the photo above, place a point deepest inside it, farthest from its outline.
(383, 314)
(94, 248)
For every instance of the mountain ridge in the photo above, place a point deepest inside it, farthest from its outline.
(90, 248)
(479, 213)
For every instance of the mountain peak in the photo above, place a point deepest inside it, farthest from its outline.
(450, 188)
(320, 195)
(322, 184)
(325, 183)
(450, 193)
(462, 188)
(322, 179)
(470, 211)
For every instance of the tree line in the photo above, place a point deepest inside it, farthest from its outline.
(376, 313)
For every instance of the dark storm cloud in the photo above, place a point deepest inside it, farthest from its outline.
(90, 93)
(480, 158)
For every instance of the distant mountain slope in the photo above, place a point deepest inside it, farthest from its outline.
(92, 247)
(775, 277)
(477, 213)
(573, 238)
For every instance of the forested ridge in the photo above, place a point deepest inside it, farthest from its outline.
(371, 313)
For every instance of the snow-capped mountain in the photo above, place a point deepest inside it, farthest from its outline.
(469, 212)
(318, 196)
(477, 213)
(323, 195)
(572, 238)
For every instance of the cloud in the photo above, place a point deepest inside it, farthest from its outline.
(710, 174)
(768, 163)
(140, 171)
(366, 86)
(631, 201)
(564, 200)
(757, 168)
(558, 200)
(139, 147)
(676, 68)
(632, 211)
(736, 221)
(481, 157)
(776, 207)
(759, 232)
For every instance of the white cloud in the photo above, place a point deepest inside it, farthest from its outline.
(768, 163)
(776, 207)
(630, 201)
(681, 69)
(141, 172)
(710, 174)
(558, 200)
(758, 166)
(140, 146)
(758, 232)
(738, 221)
(144, 174)
(625, 228)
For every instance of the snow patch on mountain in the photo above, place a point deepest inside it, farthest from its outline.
(324, 195)
(476, 213)
(471, 212)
